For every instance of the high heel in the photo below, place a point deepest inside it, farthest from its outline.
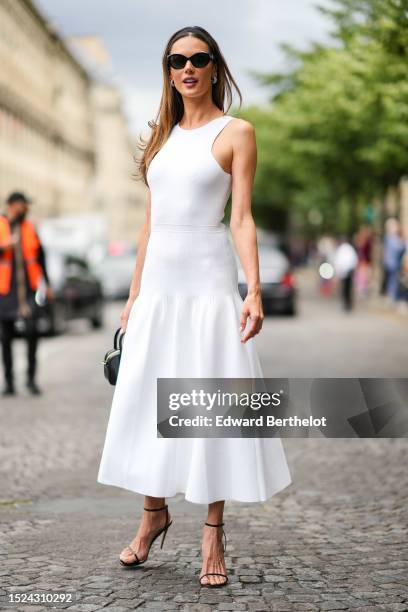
(224, 548)
(164, 529)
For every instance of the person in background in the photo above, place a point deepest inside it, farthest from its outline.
(22, 267)
(325, 252)
(403, 284)
(394, 248)
(363, 241)
(345, 262)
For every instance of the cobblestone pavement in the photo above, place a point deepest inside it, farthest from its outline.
(336, 539)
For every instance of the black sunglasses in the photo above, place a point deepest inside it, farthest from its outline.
(199, 60)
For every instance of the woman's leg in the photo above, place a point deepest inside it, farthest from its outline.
(7, 333)
(213, 556)
(392, 285)
(151, 523)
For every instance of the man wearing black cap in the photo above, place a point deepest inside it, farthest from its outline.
(22, 267)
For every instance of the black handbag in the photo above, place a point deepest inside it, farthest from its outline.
(112, 358)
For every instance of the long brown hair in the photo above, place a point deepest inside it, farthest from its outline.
(171, 107)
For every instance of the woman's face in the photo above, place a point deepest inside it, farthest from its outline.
(198, 79)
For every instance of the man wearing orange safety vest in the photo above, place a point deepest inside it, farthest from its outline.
(22, 267)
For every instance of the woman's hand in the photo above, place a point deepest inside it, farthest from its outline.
(49, 292)
(125, 313)
(252, 307)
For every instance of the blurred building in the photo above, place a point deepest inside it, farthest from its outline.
(64, 138)
(116, 193)
(46, 146)
(121, 198)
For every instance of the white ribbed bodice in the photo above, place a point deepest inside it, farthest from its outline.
(187, 184)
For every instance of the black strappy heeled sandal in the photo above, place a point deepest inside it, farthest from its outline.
(163, 531)
(224, 548)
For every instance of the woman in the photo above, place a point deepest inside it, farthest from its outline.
(185, 315)
(394, 248)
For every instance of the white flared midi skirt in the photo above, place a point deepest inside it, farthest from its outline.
(185, 323)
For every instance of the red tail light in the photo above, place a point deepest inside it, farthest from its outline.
(288, 280)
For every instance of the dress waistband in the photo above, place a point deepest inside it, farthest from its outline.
(173, 227)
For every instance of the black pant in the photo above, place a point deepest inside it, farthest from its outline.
(347, 291)
(31, 337)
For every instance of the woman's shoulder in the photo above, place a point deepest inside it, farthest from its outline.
(241, 127)
(242, 133)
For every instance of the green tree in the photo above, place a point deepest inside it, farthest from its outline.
(336, 130)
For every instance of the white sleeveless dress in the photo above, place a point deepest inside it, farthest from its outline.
(185, 323)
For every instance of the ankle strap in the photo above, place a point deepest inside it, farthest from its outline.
(223, 532)
(155, 509)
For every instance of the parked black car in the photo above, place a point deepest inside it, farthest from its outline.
(78, 294)
(277, 281)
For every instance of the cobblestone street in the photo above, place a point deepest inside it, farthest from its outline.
(336, 539)
(233, 196)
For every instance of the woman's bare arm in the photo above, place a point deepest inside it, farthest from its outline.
(242, 225)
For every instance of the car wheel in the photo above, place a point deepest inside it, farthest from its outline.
(96, 322)
(267, 308)
(97, 319)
